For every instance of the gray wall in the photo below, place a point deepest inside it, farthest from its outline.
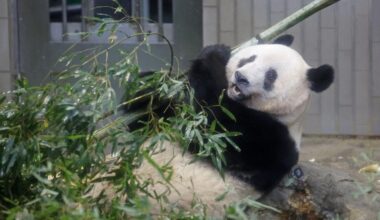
(5, 63)
(345, 35)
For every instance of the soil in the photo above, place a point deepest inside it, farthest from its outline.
(347, 154)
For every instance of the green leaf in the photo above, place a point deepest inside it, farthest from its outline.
(254, 203)
(228, 113)
(220, 99)
(213, 126)
(114, 28)
(41, 179)
(4, 129)
(2, 98)
(222, 196)
(199, 137)
(158, 167)
(233, 144)
(101, 29)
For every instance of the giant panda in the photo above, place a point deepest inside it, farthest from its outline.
(267, 88)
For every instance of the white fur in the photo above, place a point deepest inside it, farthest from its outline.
(287, 101)
(291, 89)
(193, 181)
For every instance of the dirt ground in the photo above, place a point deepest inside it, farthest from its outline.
(347, 154)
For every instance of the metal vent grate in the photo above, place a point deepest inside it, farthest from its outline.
(69, 19)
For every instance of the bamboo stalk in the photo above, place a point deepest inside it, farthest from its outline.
(286, 23)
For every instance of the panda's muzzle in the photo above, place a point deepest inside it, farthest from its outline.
(238, 87)
(236, 93)
(240, 79)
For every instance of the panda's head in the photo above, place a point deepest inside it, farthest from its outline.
(274, 78)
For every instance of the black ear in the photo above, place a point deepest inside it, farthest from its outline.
(285, 39)
(207, 73)
(320, 78)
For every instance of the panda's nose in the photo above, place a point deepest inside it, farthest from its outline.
(240, 79)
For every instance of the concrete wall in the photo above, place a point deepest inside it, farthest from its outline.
(346, 35)
(5, 53)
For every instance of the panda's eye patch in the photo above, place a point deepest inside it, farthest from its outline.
(270, 78)
(244, 61)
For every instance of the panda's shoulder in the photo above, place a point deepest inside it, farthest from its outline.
(256, 125)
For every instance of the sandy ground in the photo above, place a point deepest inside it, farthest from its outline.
(340, 152)
(343, 153)
(350, 155)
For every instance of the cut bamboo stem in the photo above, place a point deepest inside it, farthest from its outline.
(286, 23)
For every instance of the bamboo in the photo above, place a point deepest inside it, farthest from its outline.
(286, 23)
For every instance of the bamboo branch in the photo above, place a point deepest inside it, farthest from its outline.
(286, 23)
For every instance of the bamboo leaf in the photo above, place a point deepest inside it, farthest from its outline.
(228, 113)
(101, 29)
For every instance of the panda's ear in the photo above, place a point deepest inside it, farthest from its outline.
(320, 78)
(285, 39)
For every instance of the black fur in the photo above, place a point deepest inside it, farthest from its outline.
(250, 59)
(285, 39)
(267, 150)
(270, 78)
(212, 59)
(320, 78)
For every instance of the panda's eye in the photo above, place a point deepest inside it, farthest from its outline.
(271, 75)
(270, 78)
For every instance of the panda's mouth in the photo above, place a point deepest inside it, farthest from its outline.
(236, 93)
(237, 90)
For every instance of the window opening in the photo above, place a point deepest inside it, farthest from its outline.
(68, 18)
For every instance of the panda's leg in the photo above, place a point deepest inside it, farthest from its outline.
(191, 181)
(266, 180)
(270, 175)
